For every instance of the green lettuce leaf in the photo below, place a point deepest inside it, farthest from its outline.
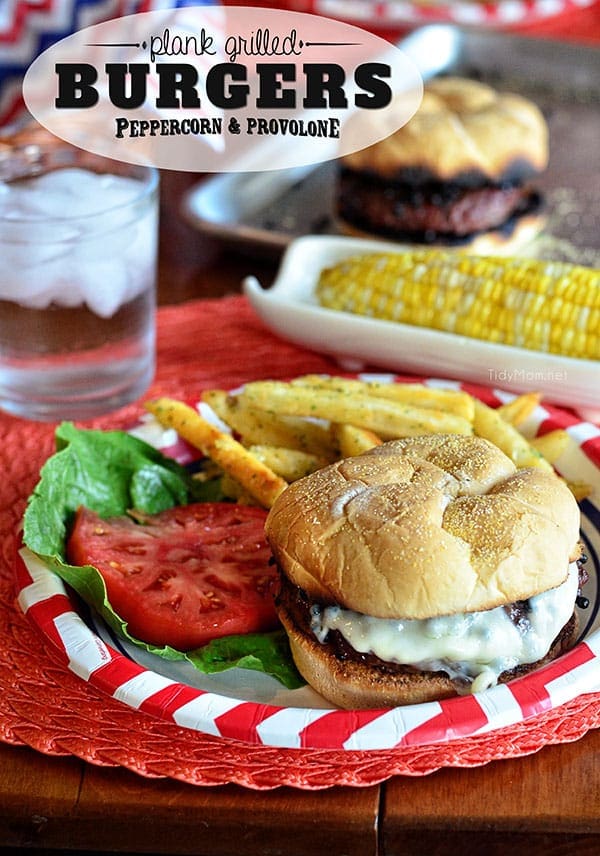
(112, 472)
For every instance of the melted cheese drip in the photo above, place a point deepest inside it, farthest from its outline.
(474, 648)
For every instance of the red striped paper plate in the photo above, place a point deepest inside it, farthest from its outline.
(258, 713)
(392, 14)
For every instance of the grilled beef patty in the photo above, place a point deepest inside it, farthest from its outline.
(298, 606)
(432, 211)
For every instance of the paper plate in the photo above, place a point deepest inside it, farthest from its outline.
(250, 708)
(392, 14)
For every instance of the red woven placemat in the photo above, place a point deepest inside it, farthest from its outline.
(43, 705)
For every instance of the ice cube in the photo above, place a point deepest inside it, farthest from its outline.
(119, 189)
(81, 255)
(142, 239)
(35, 292)
(16, 257)
(66, 193)
(113, 243)
(24, 283)
(69, 295)
(104, 286)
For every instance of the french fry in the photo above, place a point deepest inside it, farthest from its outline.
(220, 402)
(233, 490)
(552, 444)
(489, 423)
(415, 394)
(257, 479)
(386, 418)
(517, 410)
(288, 430)
(354, 441)
(290, 464)
(262, 427)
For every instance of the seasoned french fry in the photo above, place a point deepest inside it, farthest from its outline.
(260, 427)
(233, 490)
(290, 464)
(453, 401)
(354, 441)
(489, 423)
(552, 444)
(386, 418)
(257, 479)
(220, 402)
(517, 410)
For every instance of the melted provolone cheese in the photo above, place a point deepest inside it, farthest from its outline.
(474, 647)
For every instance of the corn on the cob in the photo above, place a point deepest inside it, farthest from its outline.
(540, 305)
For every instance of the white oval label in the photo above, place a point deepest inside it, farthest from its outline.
(212, 89)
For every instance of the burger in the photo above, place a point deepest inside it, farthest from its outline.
(425, 568)
(459, 174)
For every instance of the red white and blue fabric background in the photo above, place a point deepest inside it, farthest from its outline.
(28, 27)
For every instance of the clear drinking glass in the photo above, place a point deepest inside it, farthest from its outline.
(78, 251)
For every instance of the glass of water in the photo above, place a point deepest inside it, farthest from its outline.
(78, 251)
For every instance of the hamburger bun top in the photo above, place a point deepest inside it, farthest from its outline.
(425, 526)
(462, 130)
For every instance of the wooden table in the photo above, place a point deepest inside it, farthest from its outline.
(547, 803)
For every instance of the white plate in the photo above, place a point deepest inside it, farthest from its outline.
(290, 309)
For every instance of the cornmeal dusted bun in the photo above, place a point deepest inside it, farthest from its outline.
(420, 530)
(462, 130)
(425, 526)
(458, 169)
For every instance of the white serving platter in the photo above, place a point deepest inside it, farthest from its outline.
(290, 309)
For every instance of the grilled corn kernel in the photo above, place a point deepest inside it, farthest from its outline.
(545, 306)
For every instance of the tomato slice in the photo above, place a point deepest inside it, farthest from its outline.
(184, 576)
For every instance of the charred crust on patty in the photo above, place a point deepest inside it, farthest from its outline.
(433, 213)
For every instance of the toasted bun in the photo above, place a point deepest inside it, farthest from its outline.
(352, 684)
(425, 526)
(495, 242)
(462, 128)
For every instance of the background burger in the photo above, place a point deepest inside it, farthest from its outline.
(459, 173)
(425, 567)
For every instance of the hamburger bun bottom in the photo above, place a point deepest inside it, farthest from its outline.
(352, 685)
(495, 242)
